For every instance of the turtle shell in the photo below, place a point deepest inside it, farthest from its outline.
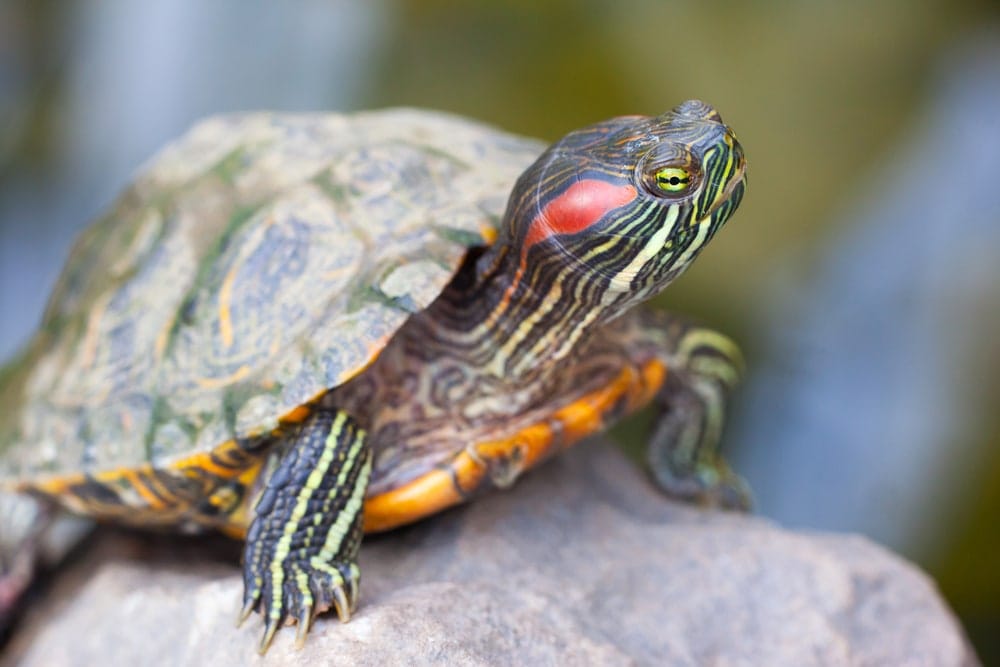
(255, 263)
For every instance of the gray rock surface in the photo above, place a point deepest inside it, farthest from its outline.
(583, 563)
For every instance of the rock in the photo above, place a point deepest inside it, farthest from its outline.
(583, 563)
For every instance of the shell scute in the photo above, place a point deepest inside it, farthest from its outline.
(254, 263)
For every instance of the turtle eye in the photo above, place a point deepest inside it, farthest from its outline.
(669, 171)
(673, 180)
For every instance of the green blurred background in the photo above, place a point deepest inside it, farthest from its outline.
(861, 273)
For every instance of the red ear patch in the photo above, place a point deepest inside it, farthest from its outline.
(581, 205)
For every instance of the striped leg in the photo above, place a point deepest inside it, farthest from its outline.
(302, 547)
(704, 368)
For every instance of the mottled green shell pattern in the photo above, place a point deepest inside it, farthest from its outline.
(254, 263)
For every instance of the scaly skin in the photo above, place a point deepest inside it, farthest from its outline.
(533, 345)
(643, 356)
(479, 385)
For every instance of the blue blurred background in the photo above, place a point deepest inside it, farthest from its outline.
(862, 274)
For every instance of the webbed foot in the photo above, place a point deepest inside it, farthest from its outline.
(302, 547)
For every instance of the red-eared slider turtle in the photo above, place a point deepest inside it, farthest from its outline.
(297, 328)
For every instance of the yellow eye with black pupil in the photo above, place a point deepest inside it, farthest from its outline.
(673, 179)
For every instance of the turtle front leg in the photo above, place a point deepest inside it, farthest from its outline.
(301, 554)
(704, 368)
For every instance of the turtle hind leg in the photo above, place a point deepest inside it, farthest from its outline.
(683, 455)
(302, 547)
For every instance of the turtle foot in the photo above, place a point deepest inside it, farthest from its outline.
(296, 592)
(707, 485)
(301, 555)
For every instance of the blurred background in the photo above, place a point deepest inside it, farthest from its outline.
(861, 275)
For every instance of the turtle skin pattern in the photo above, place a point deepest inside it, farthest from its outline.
(279, 332)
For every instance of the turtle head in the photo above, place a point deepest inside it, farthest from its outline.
(617, 210)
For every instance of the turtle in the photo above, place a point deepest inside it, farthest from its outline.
(300, 328)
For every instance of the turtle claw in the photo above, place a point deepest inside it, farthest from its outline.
(341, 593)
(336, 585)
(265, 641)
(300, 593)
(305, 622)
(248, 607)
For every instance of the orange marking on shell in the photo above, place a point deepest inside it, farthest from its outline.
(236, 530)
(218, 383)
(55, 486)
(431, 492)
(131, 476)
(489, 234)
(297, 414)
(467, 472)
(88, 352)
(239, 520)
(110, 476)
(203, 461)
(162, 506)
(225, 316)
(160, 346)
(153, 483)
